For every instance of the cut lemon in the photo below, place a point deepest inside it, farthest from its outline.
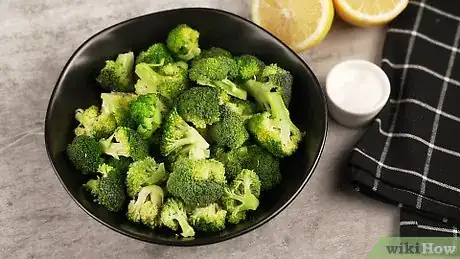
(300, 24)
(365, 13)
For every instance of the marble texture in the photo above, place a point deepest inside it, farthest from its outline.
(39, 220)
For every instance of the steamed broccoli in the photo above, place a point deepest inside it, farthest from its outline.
(156, 55)
(217, 72)
(143, 173)
(146, 112)
(272, 129)
(249, 67)
(125, 142)
(168, 81)
(121, 165)
(241, 195)
(85, 154)
(197, 182)
(147, 207)
(252, 157)
(208, 219)
(230, 130)
(244, 108)
(93, 123)
(117, 103)
(108, 189)
(183, 42)
(117, 75)
(281, 78)
(199, 106)
(173, 216)
(180, 139)
(211, 53)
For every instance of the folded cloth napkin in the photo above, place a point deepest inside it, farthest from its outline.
(410, 155)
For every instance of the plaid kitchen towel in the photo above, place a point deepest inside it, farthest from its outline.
(410, 155)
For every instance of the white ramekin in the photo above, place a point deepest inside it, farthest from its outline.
(347, 92)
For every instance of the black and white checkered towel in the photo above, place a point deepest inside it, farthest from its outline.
(410, 155)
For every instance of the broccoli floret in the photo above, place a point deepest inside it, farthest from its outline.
(197, 182)
(173, 216)
(213, 52)
(252, 157)
(93, 123)
(143, 173)
(183, 42)
(85, 154)
(241, 195)
(199, 106)
(125, 142)
(156, 55)
(273, 129)
(147, 207)
(108, 189)
(244, 108)
(208, 219)
(146, 112)
(281, 78)
(168, 81)
(121, 165)
(181, 139)
(249, 67)
(117, 75)
(230, 130)
(117, 103)
(217, 72)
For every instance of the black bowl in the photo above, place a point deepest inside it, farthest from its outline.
(76, 88)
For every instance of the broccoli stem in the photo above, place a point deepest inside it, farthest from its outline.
(126, 60)
(279, 111)
(232, 89)
(148, 78)
(92, 185)
(248, 201)
(187, 230)
(158, 173)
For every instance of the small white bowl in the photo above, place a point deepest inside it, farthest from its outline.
(356, 91)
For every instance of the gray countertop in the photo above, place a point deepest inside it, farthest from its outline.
(39, 220)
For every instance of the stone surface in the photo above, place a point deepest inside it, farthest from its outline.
(39, 220)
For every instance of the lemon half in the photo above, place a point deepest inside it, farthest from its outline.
(300, 24)
(366, 13)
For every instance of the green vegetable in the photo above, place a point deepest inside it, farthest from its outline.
(146, 112)
(93, 123)
(208, 219)
(181, 139)
(197, 182)
(85, 154)
(273, 129)
(249, 67)
(217, 72)
(169, 81)
(230, 131)
(199, 106)
(173, 216)
(281, 78)
(242, 195)
(143, 173)
(117, 103)
(147, 207)
(156, 55)
(117, 75)
(125, 142)
(108, 189)
(182, 41)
